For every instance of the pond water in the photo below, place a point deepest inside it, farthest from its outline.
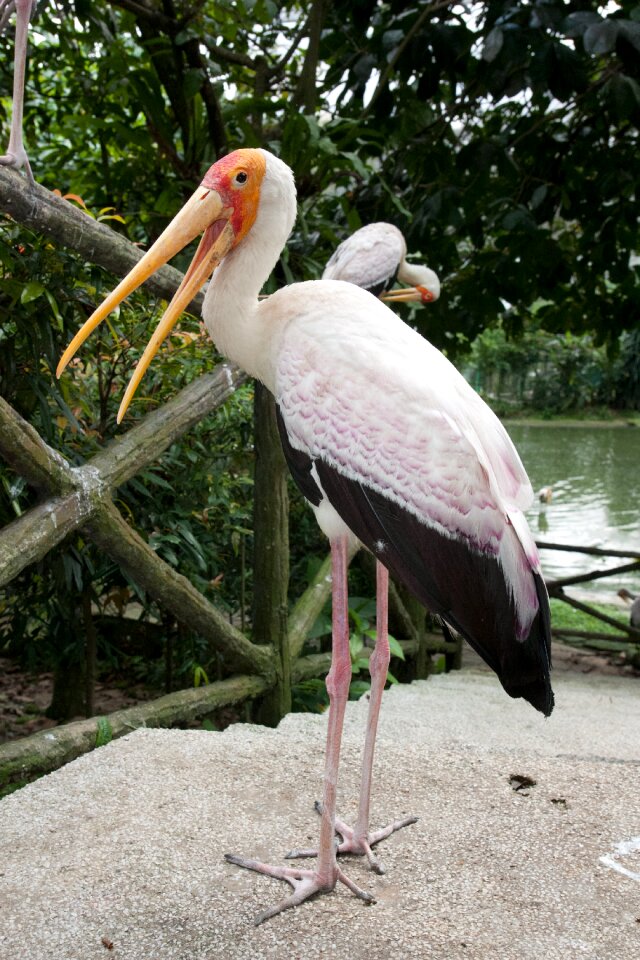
(595, 475)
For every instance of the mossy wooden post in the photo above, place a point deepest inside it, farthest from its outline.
(271, 554)
(419, 617)
(90, 652)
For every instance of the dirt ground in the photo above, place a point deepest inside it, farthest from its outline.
(567, 659)
(24, 697)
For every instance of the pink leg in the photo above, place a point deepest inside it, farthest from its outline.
(16, 155)
(338, 681)
(378, 668)
(359, 840)
(306, 883)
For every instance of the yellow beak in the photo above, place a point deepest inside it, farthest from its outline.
(204, 212)
(408, 294)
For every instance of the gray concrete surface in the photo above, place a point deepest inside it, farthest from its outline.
(120, 854)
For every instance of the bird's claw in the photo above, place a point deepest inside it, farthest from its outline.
(17, 160)
(353, 844)
(305, 883)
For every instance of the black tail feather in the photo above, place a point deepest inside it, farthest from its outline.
(464, 587)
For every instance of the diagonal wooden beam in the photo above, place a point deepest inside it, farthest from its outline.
(555, 587)
(66, 224)
(30, 537)
(633, 633)
(140, 446)
(80, 498)
(24, 449)
(77, 490)
(174, 592)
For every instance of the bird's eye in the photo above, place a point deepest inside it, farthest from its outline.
(241, 178)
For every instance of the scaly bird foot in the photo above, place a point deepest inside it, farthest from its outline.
(356, 845)
(18, 160)
(305, 883)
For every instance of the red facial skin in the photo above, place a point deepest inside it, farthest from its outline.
(226, 177)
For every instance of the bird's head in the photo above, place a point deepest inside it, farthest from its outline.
(426, 287)
(223, 209)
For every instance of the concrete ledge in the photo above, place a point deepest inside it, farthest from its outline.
(124, 847)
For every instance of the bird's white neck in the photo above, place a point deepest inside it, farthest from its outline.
(413, 273)
(417, 275)
(240, 331)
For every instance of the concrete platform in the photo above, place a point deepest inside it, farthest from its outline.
(120, 854)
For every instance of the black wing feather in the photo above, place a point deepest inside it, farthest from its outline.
(383, 285)
(466, 588)
(299, 463)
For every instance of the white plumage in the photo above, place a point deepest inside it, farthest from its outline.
(374, 257)
(426, 442)
(388, 443)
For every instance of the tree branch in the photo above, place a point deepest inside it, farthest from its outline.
(44, 212)
(277, 67)
(408, 37)
(217, 129)
(305, 95)
(144, 11)
(224, 55)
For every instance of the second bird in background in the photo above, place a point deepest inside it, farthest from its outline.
(374, 258)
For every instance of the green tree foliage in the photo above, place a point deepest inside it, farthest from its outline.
(547, 372)
(626, 377)
(502, 137)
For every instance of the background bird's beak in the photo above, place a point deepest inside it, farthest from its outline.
(409, 294)
(204, 212)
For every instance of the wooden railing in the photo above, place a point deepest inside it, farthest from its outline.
(597, 639)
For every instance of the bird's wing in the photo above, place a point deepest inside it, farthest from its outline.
(422, 472)
(353, 376)
(369, 258)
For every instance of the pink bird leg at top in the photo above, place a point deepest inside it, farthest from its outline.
(16, 155)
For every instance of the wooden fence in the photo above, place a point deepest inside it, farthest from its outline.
(627, 635)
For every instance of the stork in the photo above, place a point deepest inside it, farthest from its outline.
(386, 440)
(545, 494)
(374, 257)
(16, 155)
(634, 600)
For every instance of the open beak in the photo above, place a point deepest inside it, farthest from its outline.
(408, 295)
(205, 212)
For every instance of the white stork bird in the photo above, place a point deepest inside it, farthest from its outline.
(385, 439)
(16, 155)
(374, 257)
